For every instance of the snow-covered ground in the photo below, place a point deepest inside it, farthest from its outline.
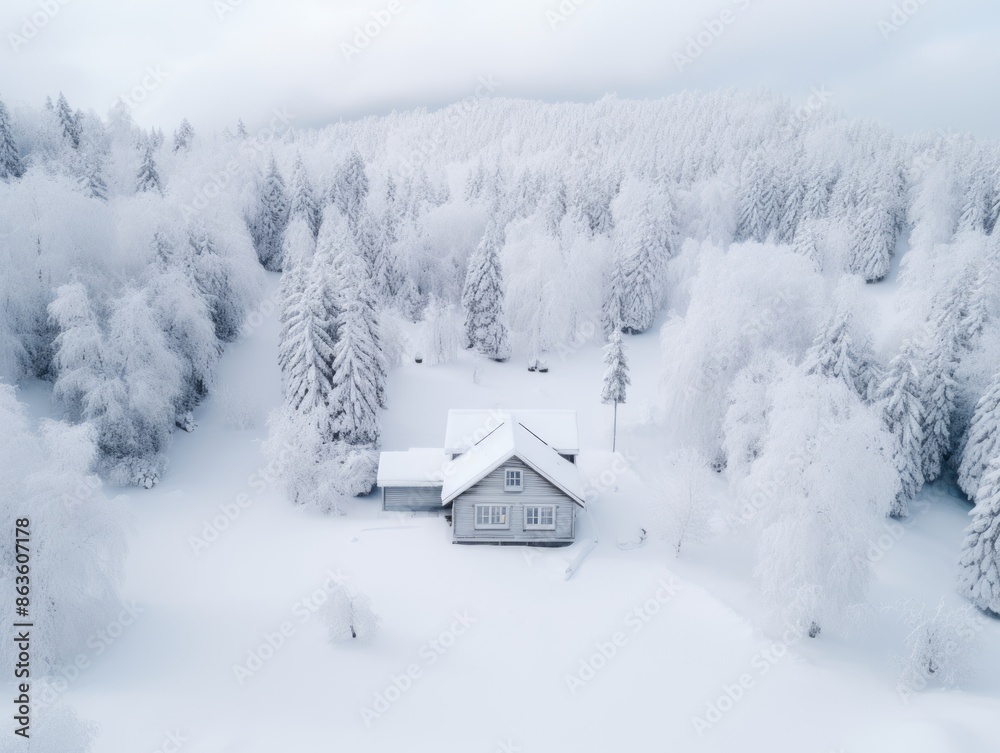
(482, 648)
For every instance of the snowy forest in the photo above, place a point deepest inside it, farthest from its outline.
(747, 233)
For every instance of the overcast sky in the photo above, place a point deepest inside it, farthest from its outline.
(918, 64)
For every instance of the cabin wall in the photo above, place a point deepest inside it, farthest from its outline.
(411, 498)
(536, 490)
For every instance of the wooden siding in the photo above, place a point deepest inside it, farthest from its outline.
(412, 498)
(535, 491)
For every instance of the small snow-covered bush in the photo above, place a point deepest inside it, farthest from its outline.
(348, 615)
(941, 646)
(313, 471)
(684, 505)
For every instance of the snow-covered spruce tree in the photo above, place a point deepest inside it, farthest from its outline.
(979, 564)
(148, 177)
(370, 239)
(760, 201)
(616, 378)
(11, 165)
(308, 337)
(902, 411)
(68, 121)
(983, 442)
(482, 298)
(836, 354)
(977, 298)
(348, 615)
(299, 245)
(612, 307)
(350, 187)
(358, 387)
(643, 240)
(792, 210)
(975, 203)
(873, 239)
(183, 136)
(270, 218)
(938, 363)
(303, 198)
(92, 180)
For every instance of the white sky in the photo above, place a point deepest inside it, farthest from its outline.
(224, 59)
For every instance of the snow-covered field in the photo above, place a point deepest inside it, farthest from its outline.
(491, 649)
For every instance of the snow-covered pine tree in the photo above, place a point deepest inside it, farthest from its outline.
(642, 241)
(241, 129)
(937, 367)
(873, 239)
(183, 136)
(11, 165)
(69, 122)
(816, 199)
(553, 206)
(979, 564)
(642, 281)
(975, 203)
(358, 388)
(299, 246)
(616, 378)
(350, 187)
(982, 289)
(271, 218)
(482, 297)
(760, 201)
(983, 442)
(308, 339)
(303, 198)
(371, 242)
(836, 355)
(792, 210)
(612, 308)
(902, 411)
(92, 179)
(148, 178)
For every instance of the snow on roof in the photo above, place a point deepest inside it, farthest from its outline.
(509, 439)
(557, 428)
(421, 466)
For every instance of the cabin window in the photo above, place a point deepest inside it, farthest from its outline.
(492, 516)
(540, 517)
(512, 480)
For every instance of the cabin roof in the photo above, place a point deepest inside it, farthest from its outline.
(510, 438)
(421, 466)
(556, 428)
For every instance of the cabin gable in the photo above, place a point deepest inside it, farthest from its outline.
(536, 500)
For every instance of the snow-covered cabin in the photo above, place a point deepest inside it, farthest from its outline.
(503, 477)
